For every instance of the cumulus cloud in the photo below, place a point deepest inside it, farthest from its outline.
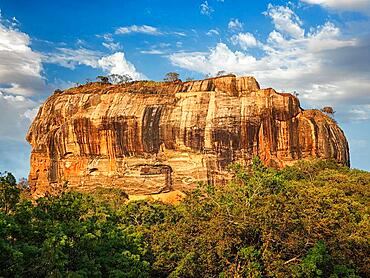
(235, 25)
(144, 29)
(117, 64)
(245, 40)
(285, 21)
(112, 64)
(206, 9)
(343, 5)
(324, 66)
(217, 59)
(20, 67)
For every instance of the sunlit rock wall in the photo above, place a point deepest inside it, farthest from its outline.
(148, 137)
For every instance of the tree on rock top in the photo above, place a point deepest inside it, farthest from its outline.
(171, 77)
(221, 73)
(119, 79)
(328, 110)
(103, 79)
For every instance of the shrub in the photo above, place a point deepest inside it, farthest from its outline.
(103, 79)
(307, 220)
(171, 77)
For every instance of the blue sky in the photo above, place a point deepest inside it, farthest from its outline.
(318, 48)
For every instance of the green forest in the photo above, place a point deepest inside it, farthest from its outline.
(306, 220)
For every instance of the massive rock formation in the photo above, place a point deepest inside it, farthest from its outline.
(148, 137)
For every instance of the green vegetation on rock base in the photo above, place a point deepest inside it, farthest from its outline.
(308, 220)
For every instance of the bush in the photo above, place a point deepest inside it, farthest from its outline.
(269, 223)
(69, 236)
(171, 77)
(103, 79)
(119, 79)
(307, 220)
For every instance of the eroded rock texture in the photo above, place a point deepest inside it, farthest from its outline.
(148, 137)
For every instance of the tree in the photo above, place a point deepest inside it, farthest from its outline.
(103, 79)
(171, 77)
(9, 192)
(306, 220)
(69, 236)
(328, 110)
(265, 224)
(221, 73)
(23, 183)
(119, 79)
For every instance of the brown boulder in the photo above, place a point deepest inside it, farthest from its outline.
(153, 137)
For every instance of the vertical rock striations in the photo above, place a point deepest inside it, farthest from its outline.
(148, 137)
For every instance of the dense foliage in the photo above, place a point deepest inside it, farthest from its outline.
(307, 220)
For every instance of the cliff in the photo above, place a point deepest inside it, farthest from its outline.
(152, 137)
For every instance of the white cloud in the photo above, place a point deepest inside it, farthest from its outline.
(113, 64)
(181, 34)
(212, 32)
(107, 37)
(117, 64)
(109, 42)
(20, 66)
(31, 113)
(324, 66)
(285, 21)
(152, 52)
(17, 112)
(343, 5)
(219, 58)
(114, 46)
(205, 9)
(235, 25)
(70, 58)
(245, 40)
(163, 45)
(144, 29)
(160, 48)
(360, 113)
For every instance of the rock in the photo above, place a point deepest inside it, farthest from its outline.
(154, 137)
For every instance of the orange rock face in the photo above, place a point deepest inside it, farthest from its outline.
(148, 137)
